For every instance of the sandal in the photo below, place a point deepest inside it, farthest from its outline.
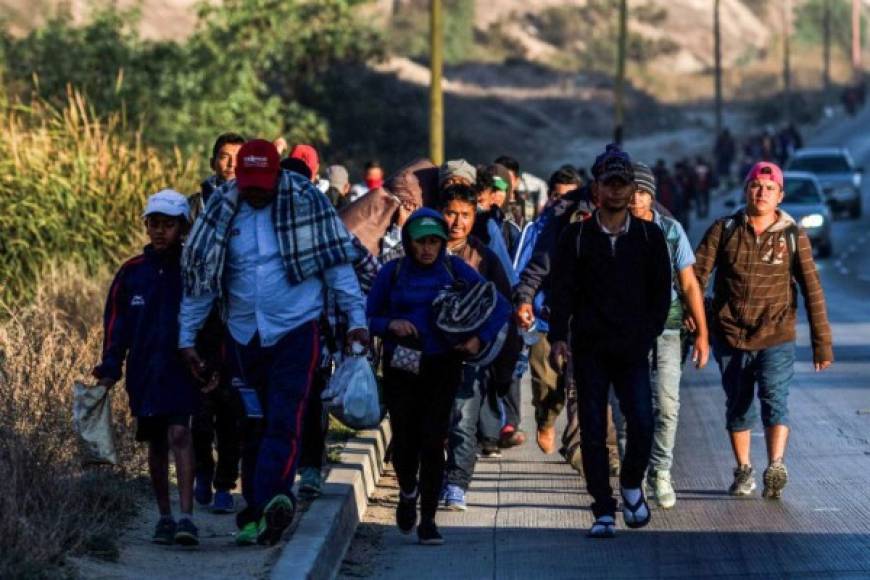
(630, 511)
(604, 527)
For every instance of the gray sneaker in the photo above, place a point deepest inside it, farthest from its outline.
(775, 479)
(744, 481)
(663, 488)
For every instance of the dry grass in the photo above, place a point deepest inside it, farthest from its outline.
(50, 505)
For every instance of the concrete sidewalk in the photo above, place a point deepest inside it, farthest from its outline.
(528, 513)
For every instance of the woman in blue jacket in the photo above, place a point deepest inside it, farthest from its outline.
(420, 399)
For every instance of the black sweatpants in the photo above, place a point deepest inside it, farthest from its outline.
(315, 424)
(218, 423)
(420, 407)
(594, 374)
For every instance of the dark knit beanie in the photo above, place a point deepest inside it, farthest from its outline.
(644, 179)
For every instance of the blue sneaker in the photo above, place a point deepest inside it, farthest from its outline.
(455, 498)
(223, 502)
(202, 489)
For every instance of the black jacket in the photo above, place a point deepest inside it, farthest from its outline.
(615, 300)
(535, 276)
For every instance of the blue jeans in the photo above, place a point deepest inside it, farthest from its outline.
(772, 369)
(282, 375)
(594, 374)
(474, 417)
(666, 398)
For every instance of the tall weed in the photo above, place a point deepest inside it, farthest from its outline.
(72, 188)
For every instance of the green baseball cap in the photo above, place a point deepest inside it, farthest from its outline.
(500, 183)
(426, 226)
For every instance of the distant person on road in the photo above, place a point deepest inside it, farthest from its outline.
(724, 151)
(761, 257)
(373, 178)
(141, 329)
(223, 164)
(666, 355)
(611, 292)
(265, 249)
(339, 186)
(704, 184)
(529, 191)
(422, 370)
(216, 427)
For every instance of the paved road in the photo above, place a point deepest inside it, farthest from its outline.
(528, 512)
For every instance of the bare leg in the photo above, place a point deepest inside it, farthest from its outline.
(740, 444)
(776, 437)
(182, 448)
(158, 467)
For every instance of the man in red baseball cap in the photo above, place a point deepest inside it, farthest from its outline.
(758, 253)
(268, 252)
(258, 166)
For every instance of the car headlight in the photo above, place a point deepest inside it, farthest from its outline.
(843, 193)
(856, 179)
(814, 220)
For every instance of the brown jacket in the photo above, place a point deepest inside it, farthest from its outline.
(754, 296)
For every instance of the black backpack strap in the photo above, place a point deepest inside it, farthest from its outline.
(729, 227)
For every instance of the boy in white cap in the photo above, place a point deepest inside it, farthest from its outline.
(141, 330)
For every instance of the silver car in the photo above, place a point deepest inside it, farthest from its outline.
(837, 173)
(805, 202)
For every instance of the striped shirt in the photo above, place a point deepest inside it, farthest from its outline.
(755, 294)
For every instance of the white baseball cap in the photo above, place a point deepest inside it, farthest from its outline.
(168, 202)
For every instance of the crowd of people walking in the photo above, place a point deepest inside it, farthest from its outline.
(456, 281)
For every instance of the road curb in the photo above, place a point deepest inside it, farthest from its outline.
(325, 531)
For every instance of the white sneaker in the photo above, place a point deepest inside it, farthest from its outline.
(663, 488)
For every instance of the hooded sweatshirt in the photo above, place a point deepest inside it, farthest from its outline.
(405, 290)
(754, 294)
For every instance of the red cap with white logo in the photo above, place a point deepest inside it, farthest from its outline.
(258, 165)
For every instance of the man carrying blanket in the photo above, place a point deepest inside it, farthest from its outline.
(264, 247)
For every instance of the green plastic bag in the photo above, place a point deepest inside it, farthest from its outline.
(92, 421)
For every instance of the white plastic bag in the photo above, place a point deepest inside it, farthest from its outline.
(353, 392)
(92, 421)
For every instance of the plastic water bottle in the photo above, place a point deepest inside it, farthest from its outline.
(530, 337)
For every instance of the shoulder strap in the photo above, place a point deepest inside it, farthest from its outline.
(792, 234)
(729, 226)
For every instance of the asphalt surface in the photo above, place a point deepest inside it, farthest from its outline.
(528, 512)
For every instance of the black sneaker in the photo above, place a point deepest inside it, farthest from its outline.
(186, 533)
(164, 533)
(277, 517)
(406, 513)
(744, 481)
(428, 534)
(775, 479)
(490, 449)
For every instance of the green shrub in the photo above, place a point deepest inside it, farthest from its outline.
(72, 188)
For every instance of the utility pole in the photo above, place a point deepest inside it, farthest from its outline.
(856, 37)
(826, 49)
(619, 87)
(436, 96)
(786, 60)
(717, 56)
